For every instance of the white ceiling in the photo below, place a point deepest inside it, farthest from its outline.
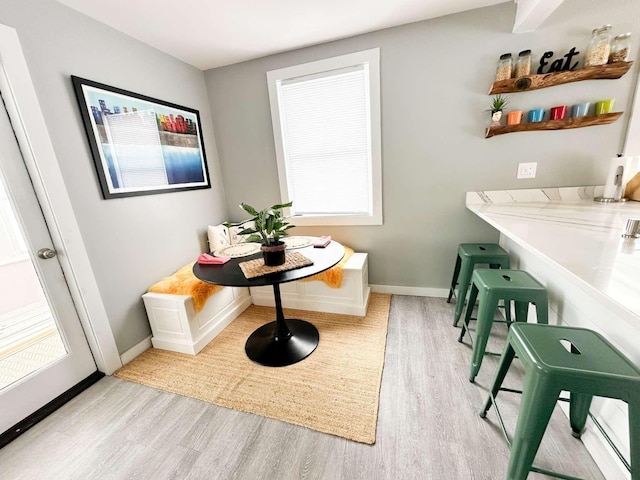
(213, 33)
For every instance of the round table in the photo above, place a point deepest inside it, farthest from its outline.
(283, 341)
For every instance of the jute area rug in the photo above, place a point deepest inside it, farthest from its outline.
(335, 390)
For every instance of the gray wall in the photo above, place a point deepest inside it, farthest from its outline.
(132, 242)
(434, 75)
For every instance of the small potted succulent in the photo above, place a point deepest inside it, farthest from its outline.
(497, 106)
(270, 226)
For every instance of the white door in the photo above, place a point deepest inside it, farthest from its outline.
(43, 349)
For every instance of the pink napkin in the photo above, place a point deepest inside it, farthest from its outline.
(206, 259)
(322, 241)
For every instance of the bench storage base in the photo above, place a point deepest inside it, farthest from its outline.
(351, 298)
(177, 327)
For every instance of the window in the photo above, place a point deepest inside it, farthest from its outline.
(326, 126)
(13, 248)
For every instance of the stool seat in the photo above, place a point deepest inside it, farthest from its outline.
(470, 255)
(487, 251)
(576, 360)
(492, 286)
(512, 283)
(592, 357)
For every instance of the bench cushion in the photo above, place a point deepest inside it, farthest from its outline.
(184, 282)
(332, 277)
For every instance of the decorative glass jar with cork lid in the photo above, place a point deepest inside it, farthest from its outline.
(620, 48)
(599, 48)
(503, 72)
(523, 65)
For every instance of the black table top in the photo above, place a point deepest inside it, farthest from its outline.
(231, 275)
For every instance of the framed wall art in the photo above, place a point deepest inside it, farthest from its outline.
(141, 145)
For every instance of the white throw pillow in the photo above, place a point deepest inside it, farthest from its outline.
(218, 237)
(234, 232)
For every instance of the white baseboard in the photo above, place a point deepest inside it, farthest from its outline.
(136, 350)
(413, 291)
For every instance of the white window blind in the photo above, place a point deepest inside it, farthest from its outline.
(326, 129)
(327, 141)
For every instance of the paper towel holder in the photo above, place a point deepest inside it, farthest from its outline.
(608, 200)
(614, 182)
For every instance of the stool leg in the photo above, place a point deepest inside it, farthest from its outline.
(538, 401)
(578, 412)
(467, 317)
(505, 362)
(486, 311)
(634, 436)
(522, 311)
(507, 311)
(463, 284)
(454, 280)
(542, 310)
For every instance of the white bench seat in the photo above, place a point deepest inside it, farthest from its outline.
(176, 325)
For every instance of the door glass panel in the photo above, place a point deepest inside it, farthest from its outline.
(29, 337)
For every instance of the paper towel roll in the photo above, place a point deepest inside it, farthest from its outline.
(610, 187)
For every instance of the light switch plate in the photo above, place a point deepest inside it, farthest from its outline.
(527, 170)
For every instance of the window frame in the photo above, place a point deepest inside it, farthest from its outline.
(370, 57)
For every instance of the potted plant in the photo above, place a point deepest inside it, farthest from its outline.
(270, 225)
(497, 105)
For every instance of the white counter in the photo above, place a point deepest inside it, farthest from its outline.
(575, 247)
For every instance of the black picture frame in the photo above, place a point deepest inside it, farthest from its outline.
(141, 145)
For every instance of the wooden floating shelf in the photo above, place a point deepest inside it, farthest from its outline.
(535, 82)
(565, 123)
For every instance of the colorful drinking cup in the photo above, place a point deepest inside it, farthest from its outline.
(580, 109)
(558, 112)
(514, 117)
(536, 115)
(605, 106)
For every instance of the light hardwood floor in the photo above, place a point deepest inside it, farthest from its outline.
(428, 425)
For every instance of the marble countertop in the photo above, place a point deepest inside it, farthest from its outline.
(567, 227)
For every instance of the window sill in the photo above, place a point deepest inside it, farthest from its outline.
(322, 220)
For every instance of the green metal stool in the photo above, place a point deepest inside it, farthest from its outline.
(576, 360)
(470, 255)
(491, 286)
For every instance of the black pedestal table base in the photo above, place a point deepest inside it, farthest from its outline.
(283, 342)
(264, 348)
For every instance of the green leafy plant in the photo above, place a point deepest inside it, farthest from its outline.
(270, 224)
(498, 103)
